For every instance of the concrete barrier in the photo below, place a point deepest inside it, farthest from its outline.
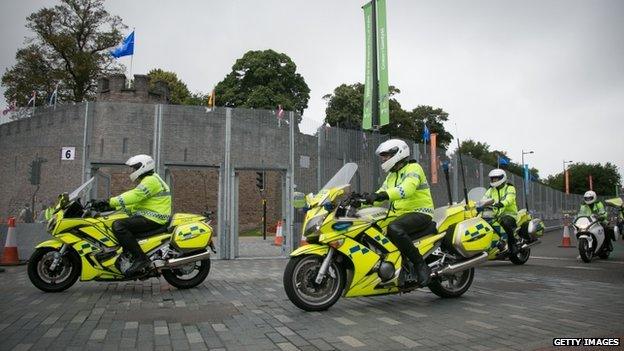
(28, 236)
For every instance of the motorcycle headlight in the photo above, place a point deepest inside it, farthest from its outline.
(51, 224)
(313, 225)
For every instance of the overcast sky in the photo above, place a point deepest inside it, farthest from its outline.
(546, 75)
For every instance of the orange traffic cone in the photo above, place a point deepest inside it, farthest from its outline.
(565, 240)
(9, 256)
(303, 241)
(279, 235)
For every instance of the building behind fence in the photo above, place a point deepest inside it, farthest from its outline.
(210, 157)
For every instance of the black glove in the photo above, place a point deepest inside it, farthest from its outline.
(100, 205)
(374, 197)
(499, 205)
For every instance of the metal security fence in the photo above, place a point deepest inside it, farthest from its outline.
(210, 158)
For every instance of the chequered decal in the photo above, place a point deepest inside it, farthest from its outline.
(86, 248)
(383, 240)
(358, 248)
(193, 232)
(476, 232)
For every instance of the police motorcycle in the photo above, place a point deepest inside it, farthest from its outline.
(84, 246)
(590, 236)
(348, 253)
(618, 220)
(527, 233)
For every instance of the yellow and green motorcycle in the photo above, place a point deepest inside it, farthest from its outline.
(349, 254)
(527, 233)
(85, 247)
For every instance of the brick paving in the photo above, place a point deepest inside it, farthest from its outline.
(242, 306)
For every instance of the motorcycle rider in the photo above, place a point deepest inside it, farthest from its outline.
(411, 205)
(591, 206)
(148, 206)
(504, 195)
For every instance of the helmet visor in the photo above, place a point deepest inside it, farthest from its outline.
(588, 198)
(136, 166)
(389, 153)
(495, 179)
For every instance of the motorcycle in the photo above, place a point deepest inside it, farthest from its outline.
(590, 235)
(348, 253)
(618, 220)
(84, 246)
(527, 233)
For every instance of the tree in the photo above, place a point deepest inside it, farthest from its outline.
(264, 79)
(70, 45)
(481, 151)
(605, 178)
(179, 93)
(344, 110)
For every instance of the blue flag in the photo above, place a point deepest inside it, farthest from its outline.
(426, 135)
(526, 178)
(125, 48)
(503, 161)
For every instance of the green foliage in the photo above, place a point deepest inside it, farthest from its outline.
(481, 151)
(344, 110)
(70, 45)
(604, 178)
(264, 79)
(179, 93)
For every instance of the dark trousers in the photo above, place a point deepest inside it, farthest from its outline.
(406, 228)
(509, 225)
(124, 230)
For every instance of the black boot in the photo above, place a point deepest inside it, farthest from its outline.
(138, 264)
(423, 272)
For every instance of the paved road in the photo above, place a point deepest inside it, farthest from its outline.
(242, 306)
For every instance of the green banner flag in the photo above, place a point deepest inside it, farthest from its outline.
(367, 116)
(382, 46)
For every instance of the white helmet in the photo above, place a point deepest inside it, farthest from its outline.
(395, 147)
(497, 177)
(141, 165)
(590, 197)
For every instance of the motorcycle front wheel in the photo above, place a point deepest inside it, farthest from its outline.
(452, 285)
(585, 251)
(58, 279)
(189, 275)
(521, 256)
(302, 289)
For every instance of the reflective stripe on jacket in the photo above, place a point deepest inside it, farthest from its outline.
(506, 195)
(150, 199)
(597, 208)
(408, 190)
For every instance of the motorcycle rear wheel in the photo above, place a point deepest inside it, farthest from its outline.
(61, 278)
(585, 251)
(183, 278)
(453, 285)
(301, 288)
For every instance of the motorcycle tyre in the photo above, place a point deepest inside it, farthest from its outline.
(585, 251)
(72, 258)
(436, 287)
(520, 260)
(179, 283)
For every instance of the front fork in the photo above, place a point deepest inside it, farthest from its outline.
(325, 266)
(57, 257)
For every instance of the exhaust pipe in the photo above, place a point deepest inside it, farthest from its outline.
(537, 241)
(175, 262)
(458, 267)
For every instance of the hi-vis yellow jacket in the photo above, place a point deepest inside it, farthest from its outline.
(506, 195)
(408, 190)
(150, 199)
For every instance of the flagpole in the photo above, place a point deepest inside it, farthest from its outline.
(132, 56)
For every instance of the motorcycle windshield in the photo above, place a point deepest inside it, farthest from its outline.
(583, 223)
(81, 189)
(342, 177)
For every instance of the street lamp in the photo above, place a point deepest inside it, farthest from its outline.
(524, 183)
